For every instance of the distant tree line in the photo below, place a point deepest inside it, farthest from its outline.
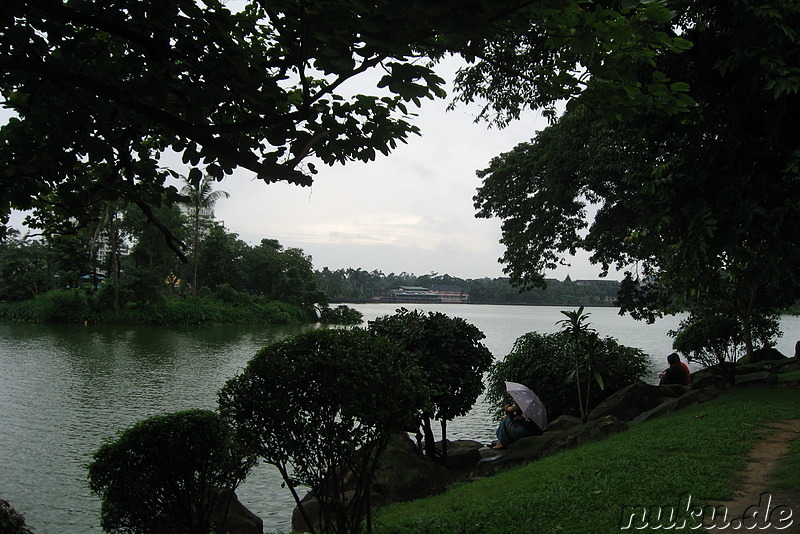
(121, 269)
(352, 285)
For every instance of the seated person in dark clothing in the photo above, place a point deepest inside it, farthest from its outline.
(513, 427)
(676, 373)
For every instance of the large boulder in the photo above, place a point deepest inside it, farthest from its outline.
(693, 396)
(764, 372)
(403, 474)
(310, 507)
(789, 364)
(462, 454)
(639, 397)
(533, 448)
(768, 360)
(759, 377)
(766, 355)
(563, 422)
(782, 365)
(232, 517)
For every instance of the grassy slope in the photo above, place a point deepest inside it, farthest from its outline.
(787, 475)
(697, 451)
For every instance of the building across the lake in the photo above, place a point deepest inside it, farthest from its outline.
(422, 295)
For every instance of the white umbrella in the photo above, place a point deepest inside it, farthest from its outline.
(529, 403)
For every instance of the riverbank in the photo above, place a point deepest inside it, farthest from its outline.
(79, 307)
(692, 457)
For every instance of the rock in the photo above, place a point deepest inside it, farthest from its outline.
(744, 369)
(706, 380)
(789, 364)
(462, 455)
(533, 448)
(766, 354)
(403, 474)
(761, 377)
(696, 396)
(773, 366)
(639, 397)
(310, 506)
(563, 422)
(239, 520)
(693, 396)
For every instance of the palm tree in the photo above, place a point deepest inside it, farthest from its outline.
(200, 200)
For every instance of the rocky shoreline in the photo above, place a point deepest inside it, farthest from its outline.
(406, 474)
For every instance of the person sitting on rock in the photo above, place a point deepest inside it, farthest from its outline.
(676, 373)
(514, 426)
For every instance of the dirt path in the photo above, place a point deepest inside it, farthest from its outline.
(755, 490)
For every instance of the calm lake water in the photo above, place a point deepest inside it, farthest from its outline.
(65, 389)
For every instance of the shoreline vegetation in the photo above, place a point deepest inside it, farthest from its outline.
(224, 306)
(227, 305)
(78, 307)
(698, 453)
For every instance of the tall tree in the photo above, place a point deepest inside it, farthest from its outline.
(200, 200)
(24, 268)
(120, 83)
(107, 244)
(262, 268)
(297, 284)
(151, 267)
(220, 260)
(699, 205)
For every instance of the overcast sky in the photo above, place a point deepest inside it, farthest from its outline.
(410, 211)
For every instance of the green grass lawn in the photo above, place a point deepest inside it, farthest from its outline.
(787, 476)
(791, 376)
(694, 452)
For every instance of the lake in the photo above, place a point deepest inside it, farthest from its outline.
(65, 389)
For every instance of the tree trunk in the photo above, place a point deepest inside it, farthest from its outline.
(430, 444)
(580, 396)
(444, 442)
(589, 378)
(285, 475)
(195, 246)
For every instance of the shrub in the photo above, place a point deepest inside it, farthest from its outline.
(718, 340)
(11, 521)
(167, 473)
(709, 340)
(228, 294)
(340, 315)
(60, 306)
(103, 298)
(451, 356)
(543, 362)
(321, 407)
